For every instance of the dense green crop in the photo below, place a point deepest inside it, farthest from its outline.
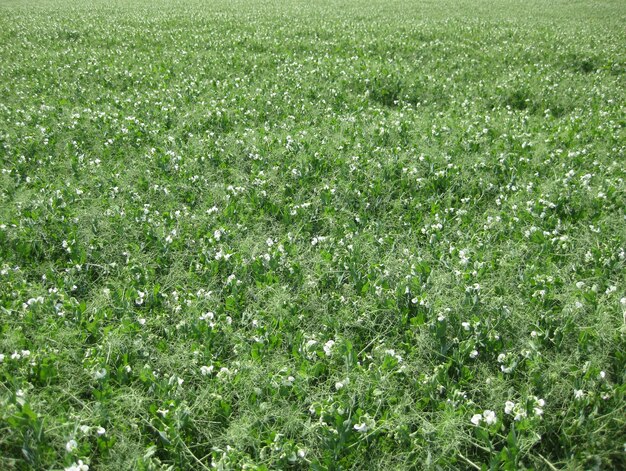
(312, 235)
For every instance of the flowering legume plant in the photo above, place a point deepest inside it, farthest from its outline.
(312, 235)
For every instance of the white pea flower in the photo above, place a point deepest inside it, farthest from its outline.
(223, 372)
(71, 446)
(490, 417)
(99, 374)
(80, 466)
(508, 407)
(361, 428)
(476, 419)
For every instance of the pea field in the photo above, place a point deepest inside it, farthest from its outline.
(312, 235)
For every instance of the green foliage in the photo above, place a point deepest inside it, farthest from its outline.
(339, 235)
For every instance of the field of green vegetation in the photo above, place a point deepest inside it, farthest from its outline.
(329, 235)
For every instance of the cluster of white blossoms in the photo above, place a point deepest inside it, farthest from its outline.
(488, 417)
(78, 466)
(328, 347)
(520, 410)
